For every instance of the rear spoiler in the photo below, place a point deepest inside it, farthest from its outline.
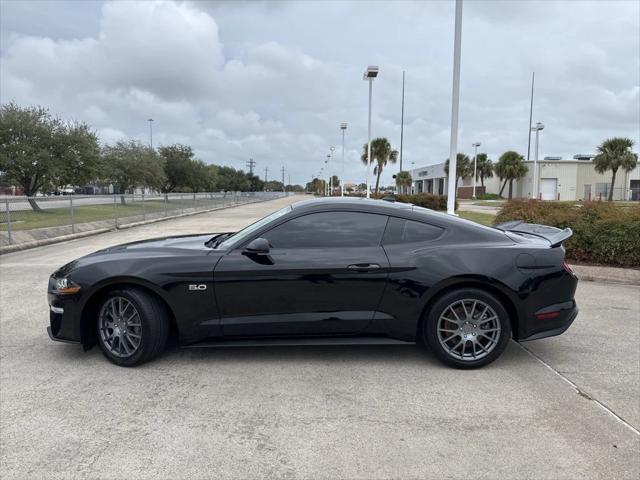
(555, 236)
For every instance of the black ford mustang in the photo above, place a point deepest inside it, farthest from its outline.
(323, 271)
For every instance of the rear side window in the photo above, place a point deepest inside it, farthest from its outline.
(329, 230)
(400, 230)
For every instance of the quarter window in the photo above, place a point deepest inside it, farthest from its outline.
(400, 230)
(329, 229)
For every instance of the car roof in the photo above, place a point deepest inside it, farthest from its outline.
(406, 210)
(360, 202)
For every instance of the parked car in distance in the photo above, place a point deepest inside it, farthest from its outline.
(323, 271)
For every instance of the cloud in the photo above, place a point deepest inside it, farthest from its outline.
(272, 81)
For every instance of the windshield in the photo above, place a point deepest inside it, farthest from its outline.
(246, 232)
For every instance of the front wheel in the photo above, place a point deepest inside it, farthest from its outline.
(133, 327)
(467, 328)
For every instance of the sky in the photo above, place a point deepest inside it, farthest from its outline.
(273, 81)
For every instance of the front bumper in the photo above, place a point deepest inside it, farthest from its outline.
(63, 323)
(543, 328)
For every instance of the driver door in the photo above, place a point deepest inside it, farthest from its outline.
(324, 274)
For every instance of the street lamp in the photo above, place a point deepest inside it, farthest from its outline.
(475, 160)
(343, 127)
(370, 73)
(326, 185)
(536, 128)
(150, 120)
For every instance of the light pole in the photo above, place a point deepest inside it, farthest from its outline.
(455, 102)
(326, 185)
(475, 161)
(537, 127)
(343, 127)
(150, 120)
(331, 150)
(370, 73)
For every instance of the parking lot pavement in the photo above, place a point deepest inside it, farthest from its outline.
(315, 412)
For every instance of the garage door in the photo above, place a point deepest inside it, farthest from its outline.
(549, 188)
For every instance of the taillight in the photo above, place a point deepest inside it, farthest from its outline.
(568, 269)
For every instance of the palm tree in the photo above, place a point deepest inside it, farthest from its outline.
(403, 179)
(484, 167)
(382, 153)
(510, 168)
(615, 153)
(464, 167)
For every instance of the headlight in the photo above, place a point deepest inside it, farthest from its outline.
(64, 286)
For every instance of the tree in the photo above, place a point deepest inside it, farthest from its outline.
(274, 186)
(38, 150)
(509, 168)
(464, 168)
(294, 188)
(382, 154)
(335, 181)
(315, 186)
(404, 180)
(129, 164)
(255, 183)
(484, 168)
(613, 154)
(180, 168)
(232, 180)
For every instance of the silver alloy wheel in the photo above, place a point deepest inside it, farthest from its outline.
(120, 327)
(468, 329)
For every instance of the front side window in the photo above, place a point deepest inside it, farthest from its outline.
(400, 230)
(329, 229)
(243, 234)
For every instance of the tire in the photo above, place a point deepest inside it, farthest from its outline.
(138, 333)
(461, 333)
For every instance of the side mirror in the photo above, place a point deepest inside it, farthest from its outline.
(257, 246)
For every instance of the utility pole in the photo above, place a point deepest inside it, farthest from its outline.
(266, 171)
(533, 78)
(251, 163)
(455, 102)
(283, 189)
(402, 121)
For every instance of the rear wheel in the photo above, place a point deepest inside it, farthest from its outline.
(133, 327)
(467, 328)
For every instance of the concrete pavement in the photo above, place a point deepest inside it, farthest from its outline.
(315, 412)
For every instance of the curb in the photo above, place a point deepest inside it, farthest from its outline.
(65, 238)
(622, 276)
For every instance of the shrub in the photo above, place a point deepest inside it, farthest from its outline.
(602, 232)
(487, 196)
(426, 200)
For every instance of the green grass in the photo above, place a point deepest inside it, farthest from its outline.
(483, 218)
(55, 217)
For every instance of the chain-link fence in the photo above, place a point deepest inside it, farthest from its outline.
(24, 219)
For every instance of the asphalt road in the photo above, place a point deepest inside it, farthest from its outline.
(566, 407)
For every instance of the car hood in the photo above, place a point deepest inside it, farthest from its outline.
(174, 246)
(189, 242)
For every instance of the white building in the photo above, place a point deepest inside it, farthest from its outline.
(559, 179)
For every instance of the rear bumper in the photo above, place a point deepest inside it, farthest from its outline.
(543, 328)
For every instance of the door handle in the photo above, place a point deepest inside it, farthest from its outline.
(363, 267)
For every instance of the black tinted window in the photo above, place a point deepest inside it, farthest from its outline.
(329, 229)
(400, 230)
